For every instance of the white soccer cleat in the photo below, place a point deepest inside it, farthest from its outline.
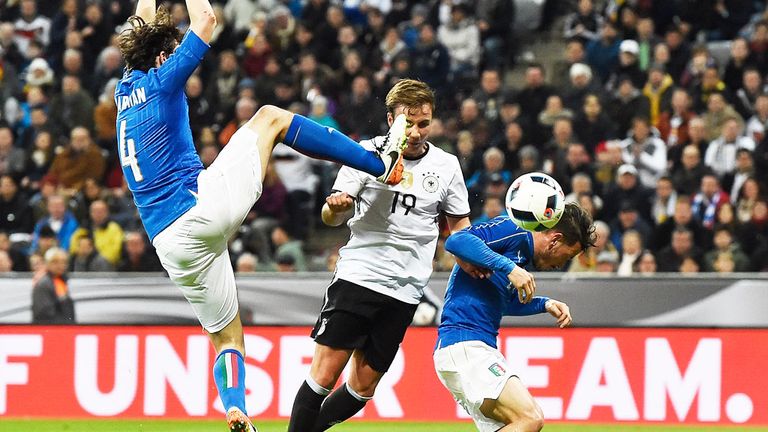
(391, 152)
(239, 422)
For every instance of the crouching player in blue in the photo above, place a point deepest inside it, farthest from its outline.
(491, 281)
(190, 212)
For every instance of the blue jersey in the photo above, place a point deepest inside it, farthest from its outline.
(155, 144)
(474, 307)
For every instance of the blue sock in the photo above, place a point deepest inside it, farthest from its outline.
(229, 375)
(317, 141)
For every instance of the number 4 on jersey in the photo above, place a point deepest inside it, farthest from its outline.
(128, 154)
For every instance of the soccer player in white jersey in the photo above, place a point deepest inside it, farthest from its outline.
(383, 269)
(466, 358)
(189, 212)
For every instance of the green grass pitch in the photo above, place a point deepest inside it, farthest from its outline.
(218, 426)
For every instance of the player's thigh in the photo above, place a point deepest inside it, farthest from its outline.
(514, 405)
(328, 363)
(391, 321)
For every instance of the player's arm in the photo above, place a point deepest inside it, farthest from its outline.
(338, 208)
(145, 9)
(540, 305)
(456, 224)
(202, 21)
(473, 245)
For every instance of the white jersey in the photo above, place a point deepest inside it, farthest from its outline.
(395, 228)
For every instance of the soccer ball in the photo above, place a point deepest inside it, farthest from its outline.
(535, 202)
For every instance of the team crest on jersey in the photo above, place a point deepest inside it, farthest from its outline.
(497, 369)
(430, 183)
(407, 181)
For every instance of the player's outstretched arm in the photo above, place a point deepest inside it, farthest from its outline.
(337, 208)
(145, 9)
(559, 310)
(201, 18)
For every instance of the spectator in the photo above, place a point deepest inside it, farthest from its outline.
(645, 265)
(533, 96)
(51, 300)
(461, 38)
(581, 85)
(430, 60)
(592, 125)
(628, 67)
(15, 212)
(244, 110)
(748, 197)
(12, 159)
(289, 252)
(137, 257)
(492, 207)
(584, 24)
(679, 52)
(495, 20)
(561, 71)
(489, 96)
(727, 257)
(587, 260)
(553, 111)
(747, 94)
(603, 54)
(493, 164)
(681, 218)
(757, 123)
(105, 120)
(108, 67)
(73, 108)
(645, 151)
(465, 150)
(628, 219)
(664, 202)
(631, 250)
(673, 125)
(31, 26)
(15, 253)
(222, 86)
(672, 258)
(319, 112)
(606, 262)
(107, 234)
(59, 220)
(79, 161)
(708, 200)
(744, 170)
(359, 114)
(246, 263)
(72, 62)
(646, 41)
(658, 90)
(87, 258)
(627, 188)
(625, 104)
(721, 153)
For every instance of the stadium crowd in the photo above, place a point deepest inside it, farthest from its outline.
(654, 118)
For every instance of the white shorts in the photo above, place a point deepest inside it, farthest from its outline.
(193, 249)
(473, 371)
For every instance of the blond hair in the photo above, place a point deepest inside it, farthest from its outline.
(410, 94)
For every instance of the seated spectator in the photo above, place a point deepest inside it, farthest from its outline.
(51, 300)
(59, 220)
(587, 260)
(245, 108)
(749, 194)
(626, 103)
(746, 96)
(755, 232)
(738, 62)
(681, 218)
(584, 24)
(246, 263)
(107, 234)
(606, 262)
(658, 90)
(631, 249)
(359, 114)
(603, 53)
(461, 38)
(628, 67)
(708, 200)
(721, 153)
(39, 159)
(561, 71)
(672, 257)
(87, 258)
(664, 201)
(80, 160)
(289, 252)
(529, 161)
(629, 220)
(555, 150)
(73, 108)
(645, 265)
(744, 170)
(319, 112)
(646, 152)
(465, 151)
(552, 111)
(490, 95)
(592, 125)
(13, 161)
(689, 265)
(15, 212)
(137, 257)
(492, 207)
(493, 163)
(757, 123)
(718, 112)
(714, 261)
(81, 201)
(430, 60)
(710, 84)
(687, 177)
(581, 85)
(627, 189)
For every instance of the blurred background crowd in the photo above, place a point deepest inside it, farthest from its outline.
(651, 114)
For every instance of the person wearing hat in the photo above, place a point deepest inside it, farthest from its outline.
(581, 84)
(627, 188)
(628, 66)
(607, 261)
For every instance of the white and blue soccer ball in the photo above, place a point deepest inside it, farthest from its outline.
(535, 202)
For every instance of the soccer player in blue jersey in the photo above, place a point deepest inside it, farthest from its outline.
(489, 282)
(189, 212)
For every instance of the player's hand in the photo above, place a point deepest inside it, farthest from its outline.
(339, 202)
(561, 311)
(524, 283)
(476, 272)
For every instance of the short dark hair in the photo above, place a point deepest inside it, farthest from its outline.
(144, 41)
(576, 226)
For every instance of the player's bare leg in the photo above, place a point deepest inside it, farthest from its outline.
(515, 407)
(363, 378)
(230, 337)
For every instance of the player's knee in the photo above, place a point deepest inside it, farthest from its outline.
(270, 116)
(364, 389)
(326, 377)
(532, 420)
